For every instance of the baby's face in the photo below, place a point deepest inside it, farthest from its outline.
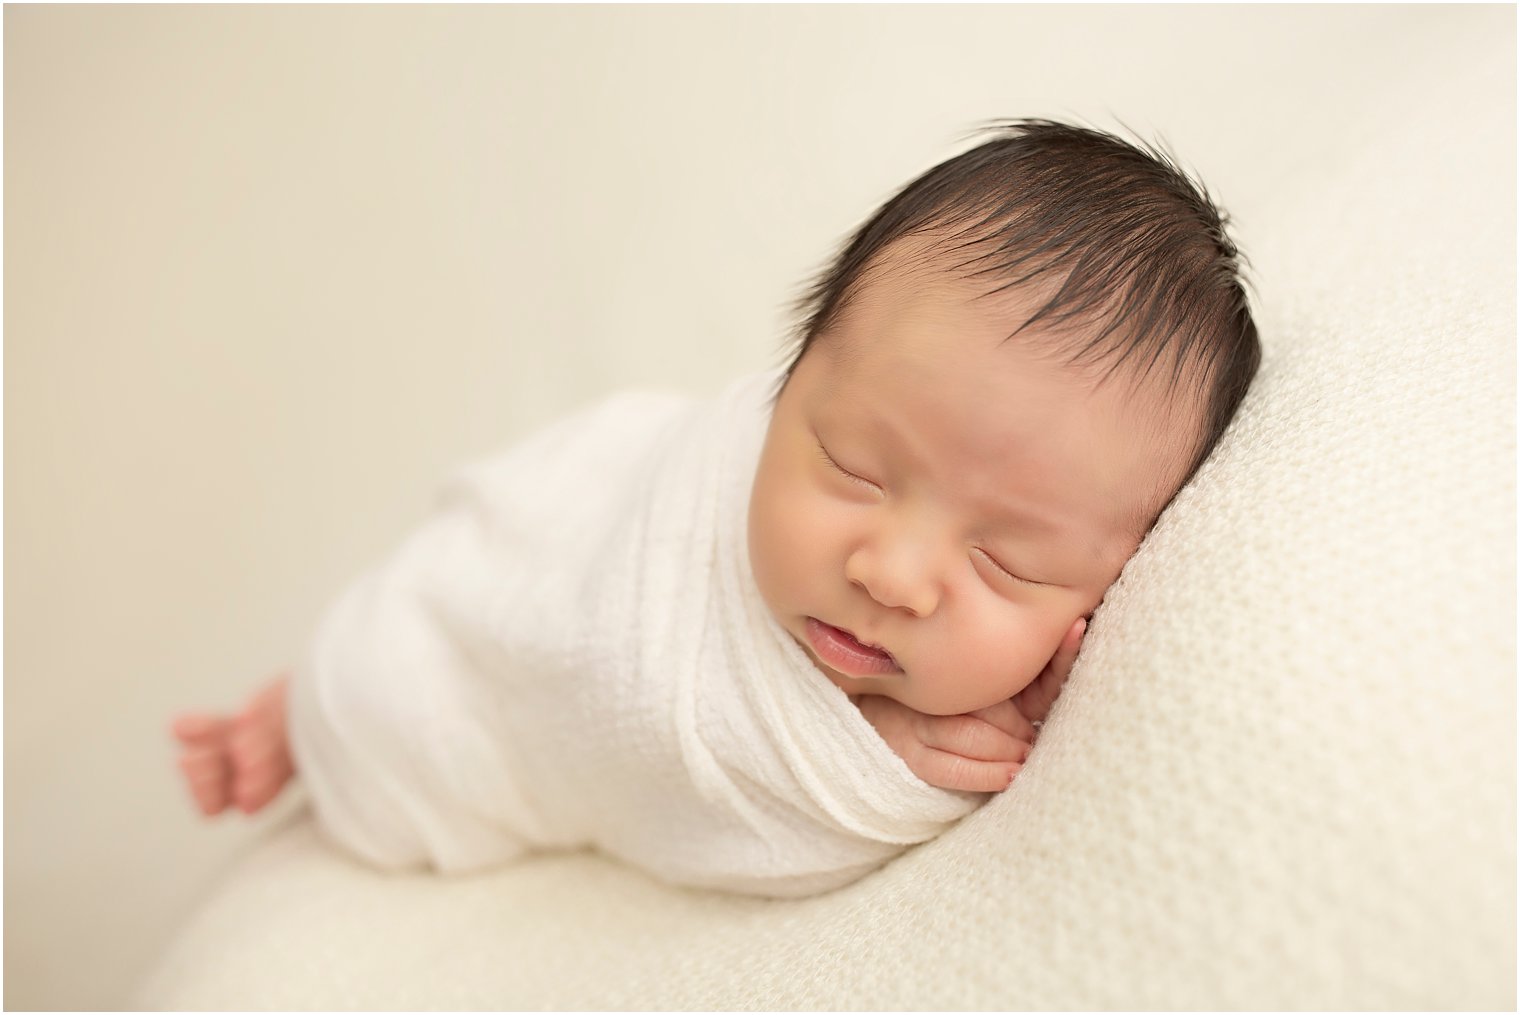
(934, 508)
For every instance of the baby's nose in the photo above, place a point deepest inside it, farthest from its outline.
(896, 578)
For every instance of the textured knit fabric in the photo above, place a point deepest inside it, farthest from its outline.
(572, 652)
(1282, 775)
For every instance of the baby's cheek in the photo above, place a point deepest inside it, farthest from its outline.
(798, 544)
(763, 558)
(1012, 655)
(780, 542)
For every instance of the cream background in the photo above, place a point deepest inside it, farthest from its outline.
(270, 272)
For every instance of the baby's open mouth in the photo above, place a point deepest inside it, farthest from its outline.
(846, 653)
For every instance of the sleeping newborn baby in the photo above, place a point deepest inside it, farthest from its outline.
(766, 642)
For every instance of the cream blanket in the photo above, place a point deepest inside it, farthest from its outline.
(573, 653)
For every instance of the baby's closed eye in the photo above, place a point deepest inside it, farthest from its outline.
(1005, 571)
(823, 452)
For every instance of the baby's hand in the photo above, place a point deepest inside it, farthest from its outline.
(982, 751)
(1034, 701)
(240, 761)
(979, 752)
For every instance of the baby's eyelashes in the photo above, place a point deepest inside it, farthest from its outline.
(1003, 574)
(829, 459)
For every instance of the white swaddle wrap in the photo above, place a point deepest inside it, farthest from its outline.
(573, 653)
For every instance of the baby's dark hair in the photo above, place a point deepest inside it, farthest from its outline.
(1118, 234)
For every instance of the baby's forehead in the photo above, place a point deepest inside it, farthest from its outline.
(926, 273)
(926, 277)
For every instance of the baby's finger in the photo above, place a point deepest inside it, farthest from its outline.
(252, 754)
(206, 773)
(257, 787)
(970, 738)
(1035, 700)
(193, 728)
(1006, 717)
(952, 771)
(1066, 654)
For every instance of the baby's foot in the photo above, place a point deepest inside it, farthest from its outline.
(242, 761)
